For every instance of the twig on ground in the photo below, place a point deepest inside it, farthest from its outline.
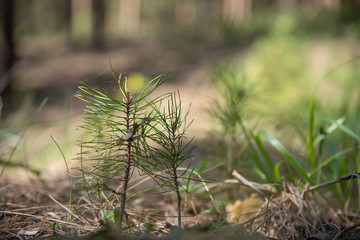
(256, 186)
(340, 179)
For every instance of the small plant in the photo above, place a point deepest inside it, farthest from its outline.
(130, 133)
(228, 111)
(170, 150)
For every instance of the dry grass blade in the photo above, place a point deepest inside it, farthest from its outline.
(68, 210)
(293, 212)
(11, 234)
(39, 217)
(340, 233)
(202, 181)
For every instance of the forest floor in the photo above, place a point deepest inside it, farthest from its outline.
(53, 70)
(37, 207)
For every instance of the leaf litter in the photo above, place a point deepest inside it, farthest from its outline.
(38, 209)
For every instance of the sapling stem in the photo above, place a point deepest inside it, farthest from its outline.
(176, 183)
(128, 162)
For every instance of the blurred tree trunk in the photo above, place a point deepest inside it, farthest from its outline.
(98, 23)
(235, 11)
(81, 20)
(129, 17)
(63, 17)
(185, 13)
(67, 18)
(7, 56)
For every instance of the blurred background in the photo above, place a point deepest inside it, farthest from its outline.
(273, 52)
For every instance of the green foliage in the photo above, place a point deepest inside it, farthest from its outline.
(276, 67)
(323, 163)
(228, 110)
(168, 150)
(111, 216)
(306, 141)
(12, 130)
(128, 133)
(331, 146)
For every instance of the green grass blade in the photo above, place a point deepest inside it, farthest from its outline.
(345, 129)
(329, 130)
(310, 141)
(266, 157)
(67, 169)
(286, 154)
(277, 174)
(256, 159)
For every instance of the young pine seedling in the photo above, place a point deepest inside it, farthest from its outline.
(169, 148)
(128, 133)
